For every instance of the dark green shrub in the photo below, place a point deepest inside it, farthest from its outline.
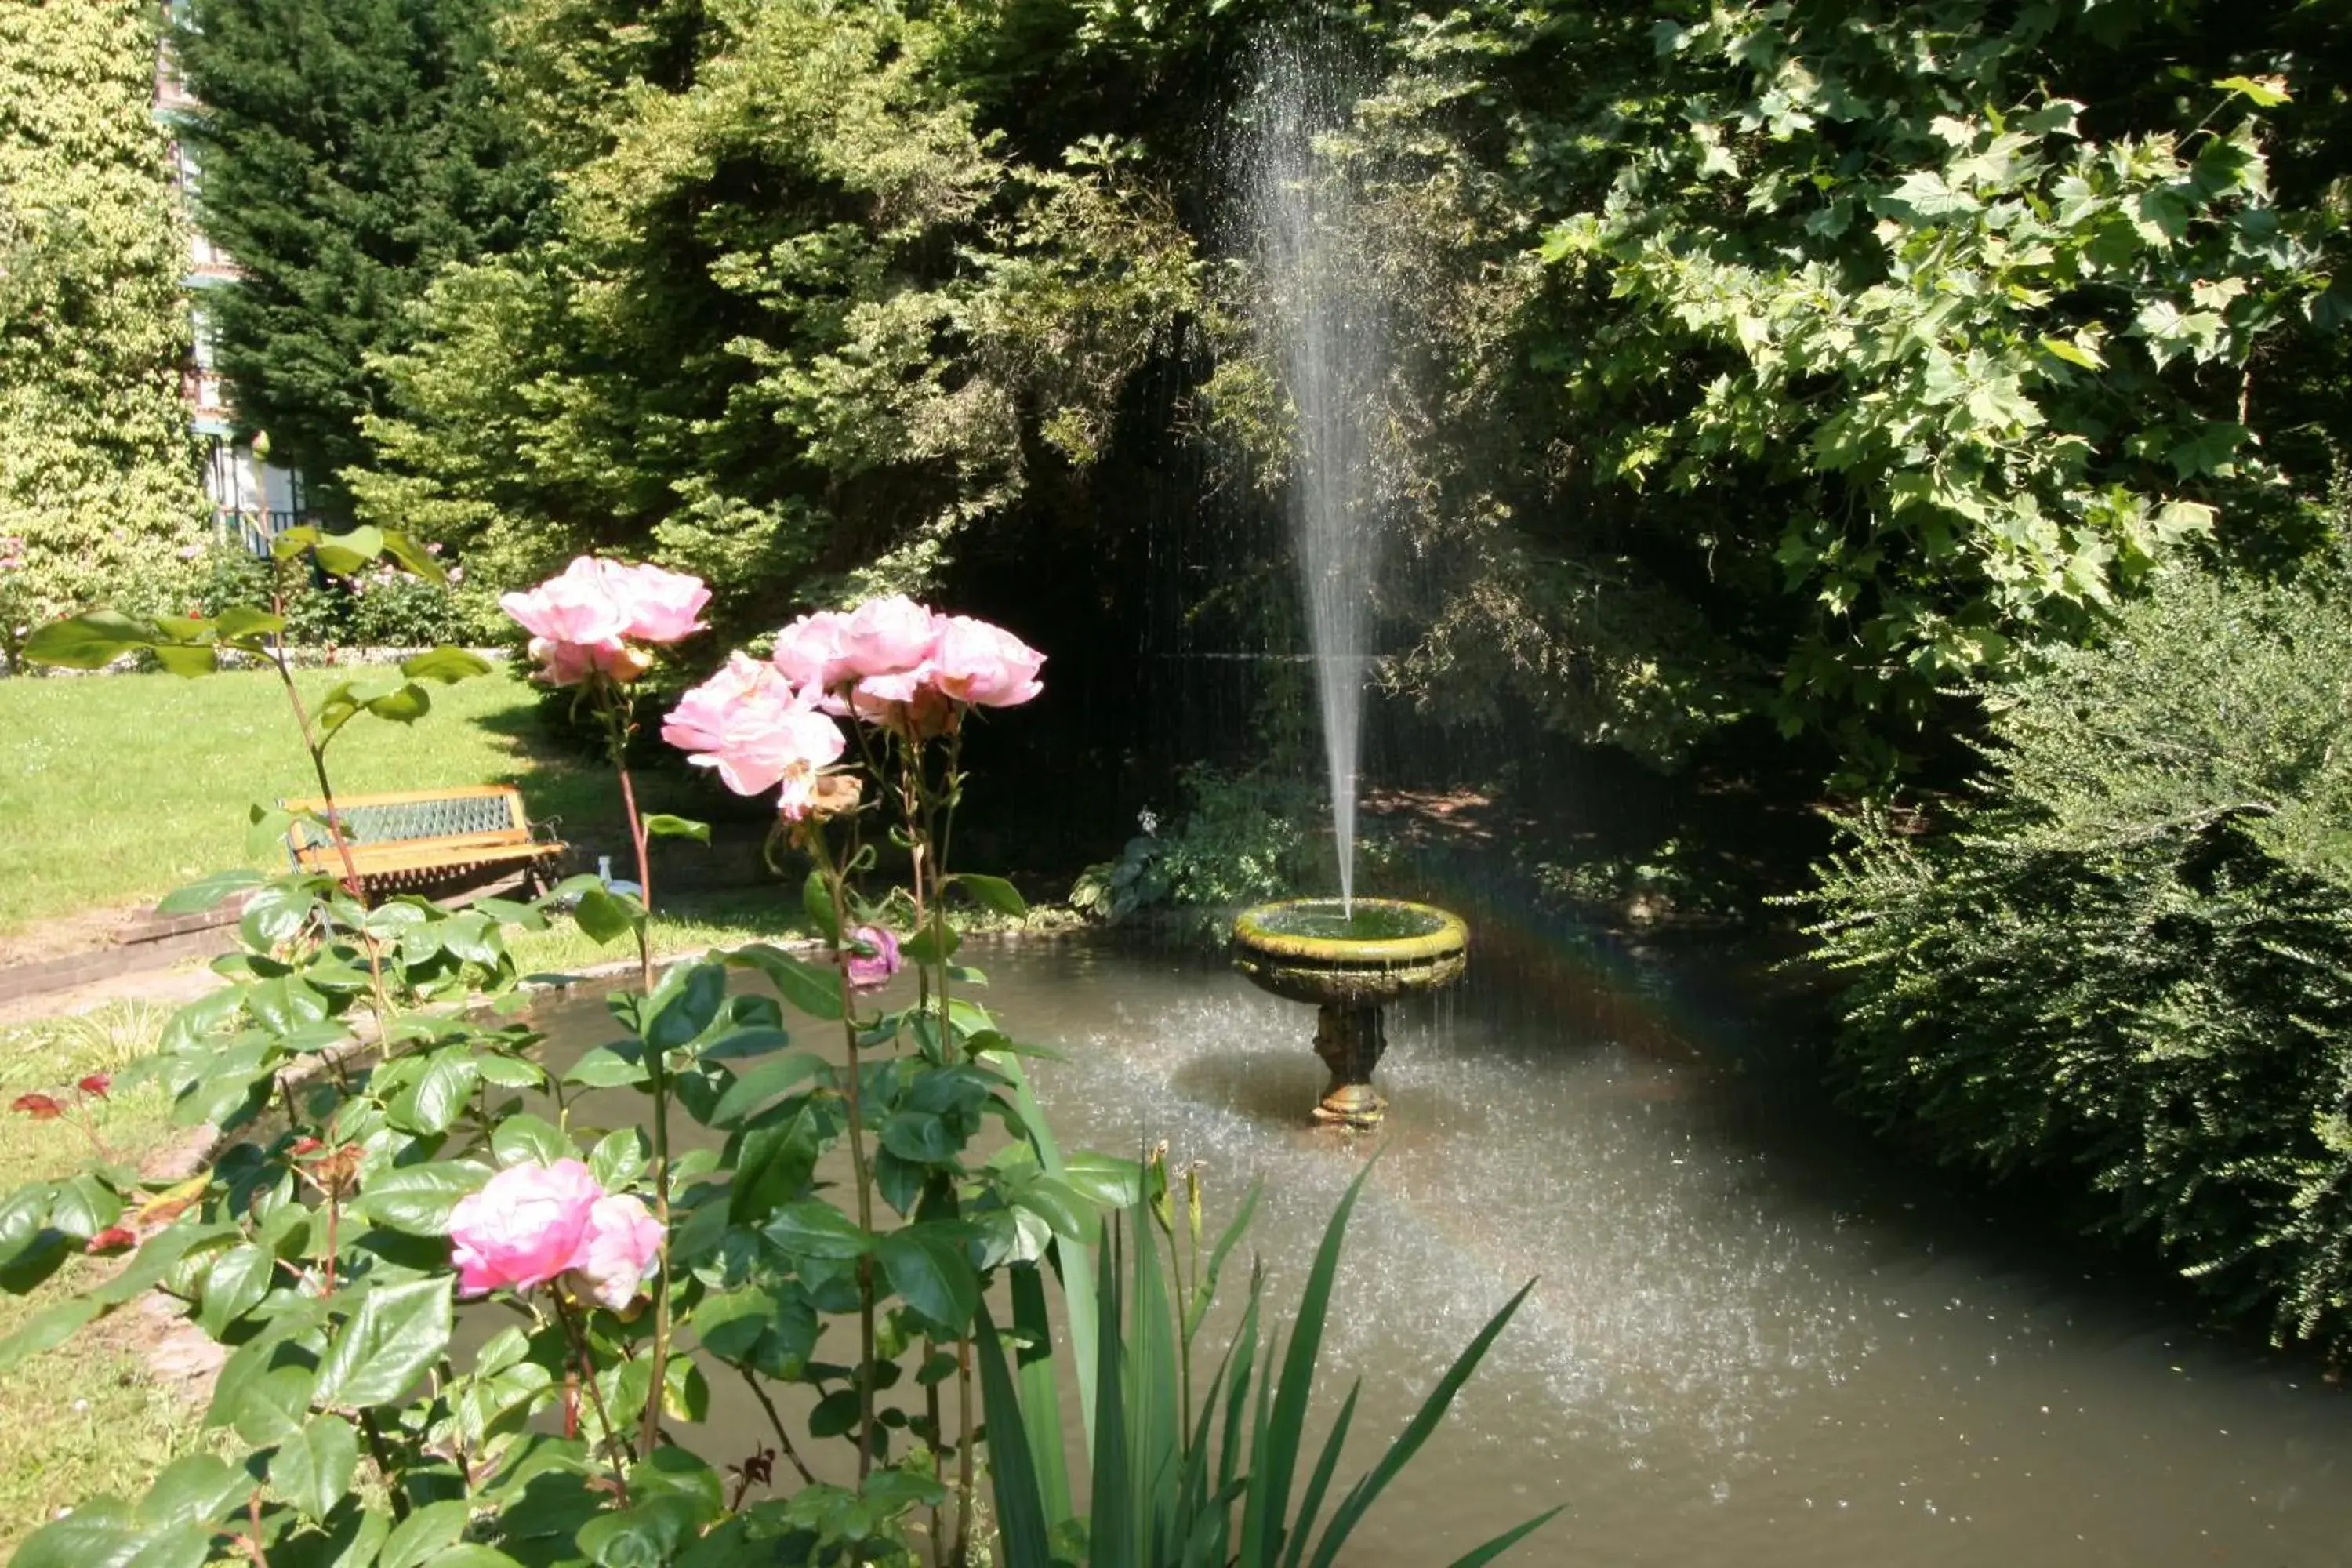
(2124, 963)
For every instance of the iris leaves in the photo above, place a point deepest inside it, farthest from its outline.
(1166, 1495)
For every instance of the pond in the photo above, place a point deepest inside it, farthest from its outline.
(1757, 1338)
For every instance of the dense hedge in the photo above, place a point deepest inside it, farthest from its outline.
(2129, 963)
(97, 473)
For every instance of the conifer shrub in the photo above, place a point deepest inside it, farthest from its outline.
(2125, 962)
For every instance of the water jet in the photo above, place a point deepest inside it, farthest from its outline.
(1349, 959)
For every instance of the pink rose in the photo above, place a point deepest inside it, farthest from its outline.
(887, 637)
(576, 606)
(984, 665)
(616, 1252)
(588, 620)
(523, 1227)
(872, 957)
(701, 715)
(659, 606)
(808, 652)
(749, 723)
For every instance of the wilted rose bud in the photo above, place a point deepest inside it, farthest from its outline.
(113, 1238)
(96, 1083)
(834, 795)
(39, 1107)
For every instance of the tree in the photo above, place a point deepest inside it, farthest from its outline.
(348, 150)
(98, 476)
(798, 325)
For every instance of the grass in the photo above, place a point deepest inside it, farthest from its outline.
(90, 1417)
(123, 787)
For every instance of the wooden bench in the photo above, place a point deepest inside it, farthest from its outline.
(411, 839)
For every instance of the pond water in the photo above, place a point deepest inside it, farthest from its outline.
(1757, 1339)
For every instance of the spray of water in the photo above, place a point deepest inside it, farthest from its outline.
(1324, 319)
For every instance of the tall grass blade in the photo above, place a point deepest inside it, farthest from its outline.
(1242, 1354)
(1041, 1391)
(1155, 1421)
(1407, 1442)
(1274, 1462)
(1111, 1530)
(1504, 1543)
(1205, 1292)
(1020, 1516)
(1079, 1304)
(1311, 1502)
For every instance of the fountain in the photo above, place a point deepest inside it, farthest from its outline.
(1349, 961)
(1348, 957)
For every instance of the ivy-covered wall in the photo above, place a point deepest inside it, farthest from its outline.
(98, 475)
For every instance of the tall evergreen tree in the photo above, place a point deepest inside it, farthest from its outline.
(348, 149)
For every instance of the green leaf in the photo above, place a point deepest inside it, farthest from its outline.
(207, 891)
(645, 1536)
(928, 1269)
(995, 893)
(767, 1081)
(449, 1082)
(185, 660)
(413, 556)
(426, 1532)
(46, 1330)
(816, 1230)
(248, 621)
(618, 1159)
(1013, 1465)
(312, 1469)
(527, 1139)
(2260, 94)
(348, 554)
(445, 665)
(662, 825)
(618, 1066)
(236, 1282)
(416, 1199)
(195, 1489)
(606, 916)
(397, 1333)
(267, 1404)
(815, 991)
(2074, 352)
(1478, 1557)
(816, 903)
(685, 1004)
(98, 1534)
(86, 641)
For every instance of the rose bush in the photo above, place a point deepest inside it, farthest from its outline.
(396, 1151)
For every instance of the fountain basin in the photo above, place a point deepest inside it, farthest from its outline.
(1349, 961)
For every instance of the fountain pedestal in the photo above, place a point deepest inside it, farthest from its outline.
(1349, 962)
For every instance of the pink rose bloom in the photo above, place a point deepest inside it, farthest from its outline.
(522, 1228)
(872, 957)
(887, 637)
(617, 1251)
(984, 665)
(576, 606)
(570, 663)
(808, 652)
(701, 715)
(659, 606)
(749, 723)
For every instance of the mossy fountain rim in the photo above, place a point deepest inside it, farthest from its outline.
(1303, 949)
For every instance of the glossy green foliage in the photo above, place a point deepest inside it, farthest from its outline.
(347, 152)
(97, 470)
(2122, 963)
(1818, 357)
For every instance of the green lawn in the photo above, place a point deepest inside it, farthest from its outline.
(119, 788)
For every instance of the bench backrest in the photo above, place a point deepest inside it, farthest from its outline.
(477, 813)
